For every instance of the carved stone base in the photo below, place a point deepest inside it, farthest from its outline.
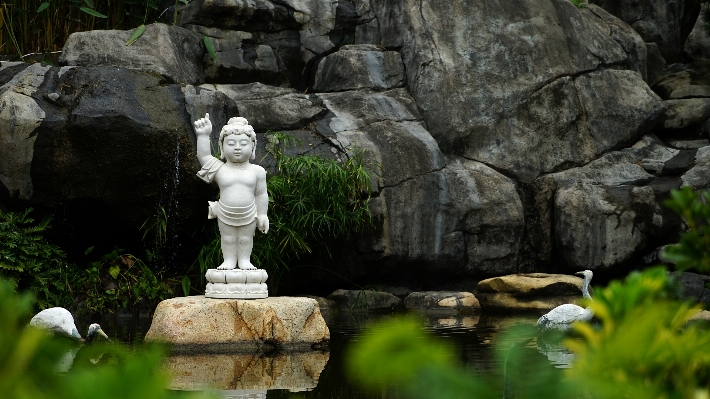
(236, 284)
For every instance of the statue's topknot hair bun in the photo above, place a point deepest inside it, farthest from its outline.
(238, 121)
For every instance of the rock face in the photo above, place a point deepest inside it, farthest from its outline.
(359, 67)
(179, 59)
(534, 144)
(534, 291)
(293, 371)
(605, 213)
(667, 23)
(511, 86)
(697, 45)
(197, 324)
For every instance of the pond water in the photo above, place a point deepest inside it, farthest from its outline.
(320, 374)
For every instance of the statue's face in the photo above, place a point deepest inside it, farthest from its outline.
(237, 148)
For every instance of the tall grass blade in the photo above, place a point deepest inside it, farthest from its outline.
(136, 34)
(42, 7)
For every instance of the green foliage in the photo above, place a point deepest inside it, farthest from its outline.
(693, 250)
(210, 48)
(27, 259)
(29, 360)
(643, 348)
(578, 3)
(398, 355)
(312, 200)
(116, 281)
(155, 229)
(40, 26)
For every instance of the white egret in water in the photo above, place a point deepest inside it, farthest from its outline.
(60, 321)
(562, 317)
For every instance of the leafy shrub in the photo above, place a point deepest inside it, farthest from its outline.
(693, 250)
(29, 359)
(644, 347)
(118, 280)
(28, 260)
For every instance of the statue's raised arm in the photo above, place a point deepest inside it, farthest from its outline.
(203, 129)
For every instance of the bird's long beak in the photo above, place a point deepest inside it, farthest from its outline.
(580, 273)
(103, 334)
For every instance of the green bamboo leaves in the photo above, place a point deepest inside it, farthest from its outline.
(42, 7)
(136, 34)
(210, 48)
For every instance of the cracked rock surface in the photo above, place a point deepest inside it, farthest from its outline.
(199, 323)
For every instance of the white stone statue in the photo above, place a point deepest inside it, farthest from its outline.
(242, 205)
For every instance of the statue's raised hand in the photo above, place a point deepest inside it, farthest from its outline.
(203, 125)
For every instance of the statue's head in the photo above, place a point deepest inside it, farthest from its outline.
(237, 126)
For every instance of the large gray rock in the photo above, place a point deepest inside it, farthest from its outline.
(240, 15)
(664, 22)
(686, 112)
(272, 108)
(599, 227)
(698, 177)
(170, 51)
(603, 215)
(679, 77)
(697, 45)
(450, 214)
(20, 116)
(629, 40)
(245, 57)
(313, 20)
(359, 67)
(522, 106)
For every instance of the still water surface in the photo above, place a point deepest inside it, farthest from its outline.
(320, 374)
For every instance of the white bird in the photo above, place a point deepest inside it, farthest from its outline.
(562, 317)
(60, 321)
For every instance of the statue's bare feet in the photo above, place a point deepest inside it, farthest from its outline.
(246, 266)
(228, 265)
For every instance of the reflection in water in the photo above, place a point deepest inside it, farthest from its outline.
(291, 371)
(243, 394)
(321, 375)
(556, 352)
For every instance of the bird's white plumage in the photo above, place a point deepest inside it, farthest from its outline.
(562, 317)
(56, 320)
